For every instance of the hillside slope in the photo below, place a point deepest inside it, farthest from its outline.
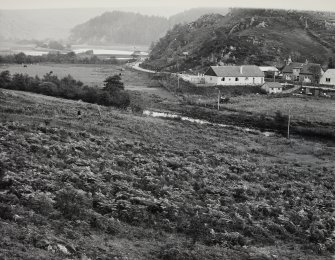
(120, 27)
(132, 28)
(132, 187)
(246, 36)
(193, 14)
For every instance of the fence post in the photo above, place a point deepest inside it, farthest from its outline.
(219, 96)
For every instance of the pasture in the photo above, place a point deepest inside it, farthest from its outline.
(310, 109)
(94, 75)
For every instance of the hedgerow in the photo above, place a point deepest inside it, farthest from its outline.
(66, 87)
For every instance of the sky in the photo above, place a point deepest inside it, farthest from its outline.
(178, 5)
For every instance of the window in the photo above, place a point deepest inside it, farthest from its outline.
(223, 79)
(327, 79)
(236, 79)
(246, 78)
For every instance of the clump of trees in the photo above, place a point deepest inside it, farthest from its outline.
(57, 57)
(113, 94)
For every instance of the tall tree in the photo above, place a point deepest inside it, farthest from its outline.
(113, 84)
(316, 71)
(331, 64)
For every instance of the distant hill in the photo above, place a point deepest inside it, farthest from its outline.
(246, 36)
(120, 28)
(132, 28)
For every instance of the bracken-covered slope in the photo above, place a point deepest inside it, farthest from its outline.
(246, 36)
(139, 188)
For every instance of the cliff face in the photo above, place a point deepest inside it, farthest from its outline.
(246, 36)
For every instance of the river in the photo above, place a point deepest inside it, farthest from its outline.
(203, 122)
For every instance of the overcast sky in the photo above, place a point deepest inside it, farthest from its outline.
(324, 5)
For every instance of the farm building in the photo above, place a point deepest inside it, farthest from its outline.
(245, 75)
(272, 87)
(303, 72)
(269, 71)
(328, 78)
(292, 70)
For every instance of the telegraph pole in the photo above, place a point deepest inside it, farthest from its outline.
(288, 124)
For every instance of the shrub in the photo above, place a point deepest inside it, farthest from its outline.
(72, 203)
(280, 120)
(6, 212)
(69, 88)
(2, 171)
(176, 252)
(41, 203)
(113, 84)
(137, 105)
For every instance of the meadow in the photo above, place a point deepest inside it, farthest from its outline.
(124, 186)
(307, 108)
(89, 74)
(93, 75)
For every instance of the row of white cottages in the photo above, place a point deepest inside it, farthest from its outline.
(245, 75)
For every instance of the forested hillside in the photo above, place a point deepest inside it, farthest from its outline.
(133, 28)
(120, 27)
(246, 36)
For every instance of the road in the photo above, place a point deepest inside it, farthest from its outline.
(136, 66)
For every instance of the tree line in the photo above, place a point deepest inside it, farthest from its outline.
(112, 94)
(70, 57)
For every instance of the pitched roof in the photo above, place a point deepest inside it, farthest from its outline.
(330, 73)
(235, 71)
(272, 85)
(306, 68)
(268, 68)
(289, 67)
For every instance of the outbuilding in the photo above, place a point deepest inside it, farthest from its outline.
(272, 87)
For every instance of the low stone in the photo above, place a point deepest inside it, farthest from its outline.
(63, 249)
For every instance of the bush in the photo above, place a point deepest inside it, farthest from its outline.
(41, 204)
(69, 88)
(2, 171)
(73, 203)
(176, 252)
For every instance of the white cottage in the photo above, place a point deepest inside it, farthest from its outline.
(272, 87)
(269, 71)
(245, 75)
(328, 78)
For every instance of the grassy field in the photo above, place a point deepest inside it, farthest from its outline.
(90, 74)
(249, 100)
(132, 187)
(302, 108)
(94, 75)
